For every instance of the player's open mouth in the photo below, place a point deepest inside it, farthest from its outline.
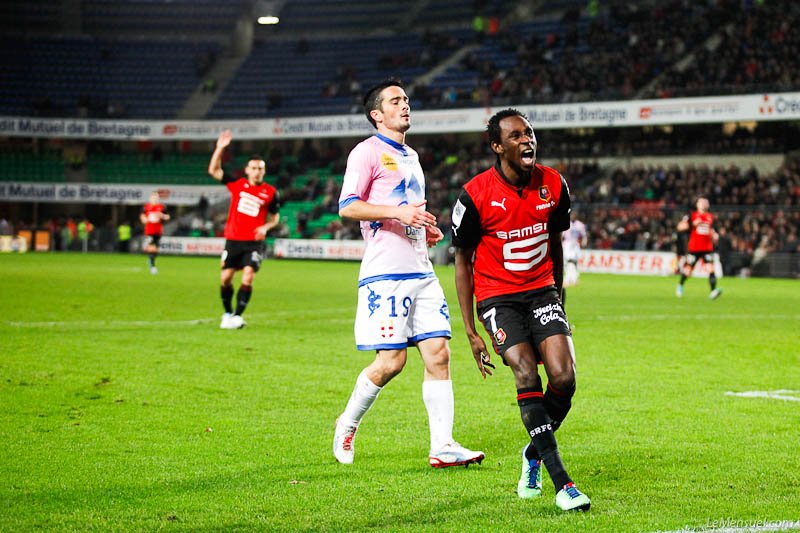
(527, 157)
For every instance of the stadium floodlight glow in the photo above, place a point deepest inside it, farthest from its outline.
(268, 20)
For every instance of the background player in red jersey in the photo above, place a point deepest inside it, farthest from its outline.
(701, 246)
(253, 212)
(510, 219)
(152, 216)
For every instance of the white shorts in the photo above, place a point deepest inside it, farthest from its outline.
(571, 274)
(394, 314)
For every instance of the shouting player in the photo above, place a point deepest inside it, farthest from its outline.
(253, 212)
(152, 215)
(507, 225)
(701, 246)
(400, 301)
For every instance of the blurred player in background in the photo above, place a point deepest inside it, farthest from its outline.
(507, 225)
(573, 239)
(400, 301)
(152, 216)
(254, 211)
(681, 244)
(701, 246)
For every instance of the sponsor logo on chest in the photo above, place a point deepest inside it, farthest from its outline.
(527, 231)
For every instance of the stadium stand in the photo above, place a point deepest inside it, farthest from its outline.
(756, 52)
(148, 16)
(97, 78)
(280, 79)
(24, 165)
(143, 58)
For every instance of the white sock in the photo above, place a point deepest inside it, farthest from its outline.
(364, 395)
(438, 398)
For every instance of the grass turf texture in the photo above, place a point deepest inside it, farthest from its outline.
(111, 377)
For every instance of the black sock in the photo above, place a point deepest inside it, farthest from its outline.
(712, 279)
(558, 403)
(226, 292)
(523, 394)
(539, 426)
(242, 297)
(152, 260)
(683, 278)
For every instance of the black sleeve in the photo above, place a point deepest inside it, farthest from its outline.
(227, 178)
(275, 204)
(466, 230)
(559, 220)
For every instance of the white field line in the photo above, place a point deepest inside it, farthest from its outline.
(698, 316)
(741, 526)
(782, 394)
(275, 316)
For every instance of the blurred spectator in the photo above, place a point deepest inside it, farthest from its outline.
(124, 237)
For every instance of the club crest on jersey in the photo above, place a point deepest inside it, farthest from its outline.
(544, 193)
(500, 336)
(387, 329)
(388, 162)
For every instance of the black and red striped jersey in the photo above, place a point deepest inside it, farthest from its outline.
(509, 228)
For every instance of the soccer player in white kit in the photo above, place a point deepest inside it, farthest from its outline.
(573, 239)
(400, 301)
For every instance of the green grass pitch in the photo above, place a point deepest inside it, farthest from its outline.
(123, 406)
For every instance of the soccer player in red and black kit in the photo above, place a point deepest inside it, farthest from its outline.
(152, 215)
(701, 246)
(507, 225)
(253, 212)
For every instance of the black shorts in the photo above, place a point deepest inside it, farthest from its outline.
(239, 254)
(152, 240)
(529, 316)
(693, 257)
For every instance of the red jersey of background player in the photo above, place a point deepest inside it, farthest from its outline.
(249, 207)
(152, 213)
(510, 229)
(700, 238)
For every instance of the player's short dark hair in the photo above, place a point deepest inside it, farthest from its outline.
(373, 100)
(493, 127)
(255, 157)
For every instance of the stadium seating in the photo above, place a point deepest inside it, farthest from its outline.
(31, 16)
(173, 17)
(98, 78)
(27, 166)
(278, 79)
(341, 16)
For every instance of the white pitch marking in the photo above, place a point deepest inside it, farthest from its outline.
(699, 316)
(782, 394)
(121, 323)
(758, 526)
(71, 323)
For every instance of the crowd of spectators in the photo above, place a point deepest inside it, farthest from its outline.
(759, 52)
(604, 56)
(624, 50)
(630, 208)
(756, 214)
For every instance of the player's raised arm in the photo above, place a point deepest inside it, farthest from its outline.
(465, 286)
(215, 165)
